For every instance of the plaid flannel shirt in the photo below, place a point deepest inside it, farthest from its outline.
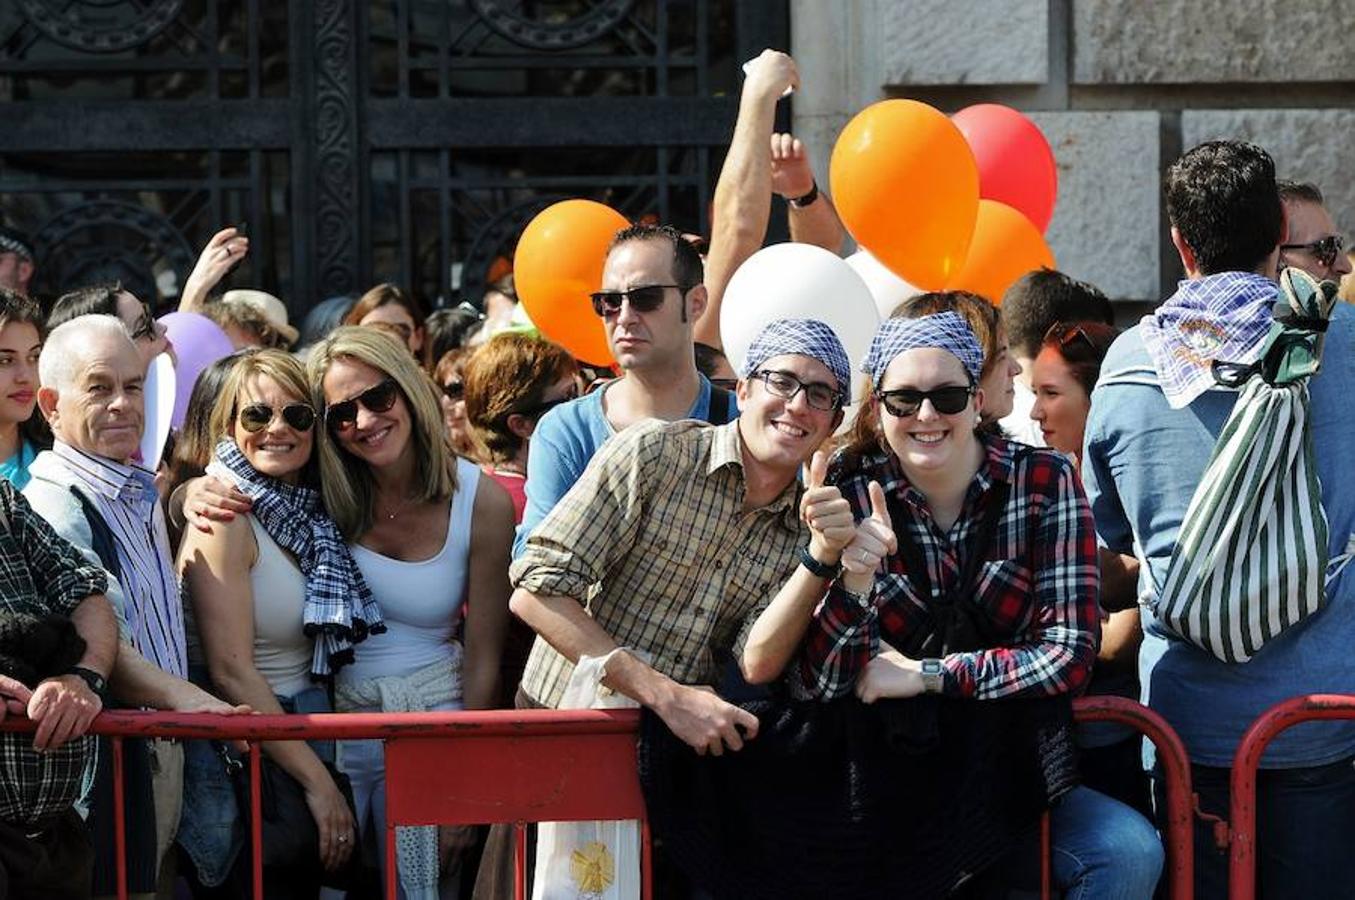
(1039, 583)
(654, 542)
(40, 574)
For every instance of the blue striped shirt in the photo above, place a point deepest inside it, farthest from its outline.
(125, 496)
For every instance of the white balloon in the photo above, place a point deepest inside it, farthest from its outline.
(888, 289)
(798, 281)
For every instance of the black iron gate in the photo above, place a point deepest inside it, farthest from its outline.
(357, 140)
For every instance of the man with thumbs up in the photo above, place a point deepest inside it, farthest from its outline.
(679, 534)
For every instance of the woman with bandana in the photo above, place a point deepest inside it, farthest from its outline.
(972, 576)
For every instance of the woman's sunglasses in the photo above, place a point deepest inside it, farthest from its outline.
(906, 402)
(376, 399)
(536, 412)
(454, 390)
(258, 416)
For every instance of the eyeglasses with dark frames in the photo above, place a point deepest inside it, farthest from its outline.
(1324, 249)
(726, 384)
(786, 386)
(645, 298)
(258, 416)
(947, 400)
(378, 398)
(454, 390)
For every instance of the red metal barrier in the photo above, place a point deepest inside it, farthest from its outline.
(520, 766)
(503, 766)
(1246, 764)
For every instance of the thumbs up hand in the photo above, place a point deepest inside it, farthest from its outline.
(826, 512)
(874, 541)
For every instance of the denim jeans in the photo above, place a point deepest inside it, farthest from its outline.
(1102, 850)
(1304, 822)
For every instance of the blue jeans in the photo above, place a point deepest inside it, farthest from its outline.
(1102, 850)
(1304, 822)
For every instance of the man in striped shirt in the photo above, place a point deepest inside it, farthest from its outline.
(87, 487)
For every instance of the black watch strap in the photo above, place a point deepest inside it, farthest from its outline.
(97, 683)
(807, 199)
(816, 568)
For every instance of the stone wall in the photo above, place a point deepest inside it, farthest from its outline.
(1119, 89)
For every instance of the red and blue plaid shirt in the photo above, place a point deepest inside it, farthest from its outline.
(1038, 583)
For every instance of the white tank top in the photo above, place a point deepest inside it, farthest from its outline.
(282, 652)
(420, 601)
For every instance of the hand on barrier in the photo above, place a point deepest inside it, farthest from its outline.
(705, 722)
(64, 707)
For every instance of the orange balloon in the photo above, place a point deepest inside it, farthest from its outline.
(1006, 246)
(558, 263)
(906, 185)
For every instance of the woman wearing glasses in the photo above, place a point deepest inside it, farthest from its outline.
(254, 629)
(972, 576)
(110, 299)
(450, 377)
(429, 535)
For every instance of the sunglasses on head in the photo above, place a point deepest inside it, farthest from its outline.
(905, 402)
(377, 399)
(258, 416)
(1324, 249)
(1064, 335)
(645, 298)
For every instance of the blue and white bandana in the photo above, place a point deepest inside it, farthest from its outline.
(1219, 317)
(802, 337)
(942, 331)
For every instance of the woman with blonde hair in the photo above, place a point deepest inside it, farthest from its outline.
(428, 534)
(267, 636)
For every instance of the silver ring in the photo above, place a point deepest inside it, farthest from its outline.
(343, 839)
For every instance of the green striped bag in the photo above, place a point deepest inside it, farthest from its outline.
(1251, 557)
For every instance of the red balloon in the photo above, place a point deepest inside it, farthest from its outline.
(1016, 165)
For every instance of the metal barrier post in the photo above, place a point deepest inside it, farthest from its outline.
(1246, 765)
(1171, 755)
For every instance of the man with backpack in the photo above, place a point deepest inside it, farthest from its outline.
(1163, 428)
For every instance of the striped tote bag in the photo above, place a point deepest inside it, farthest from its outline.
(1251, 558)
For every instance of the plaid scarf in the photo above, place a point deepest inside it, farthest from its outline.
(340, 610)
(1223, 317)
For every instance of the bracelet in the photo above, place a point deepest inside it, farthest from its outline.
(807, 199)
(818, 569)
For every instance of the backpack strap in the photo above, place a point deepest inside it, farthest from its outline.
(102, 540)
(721, 403)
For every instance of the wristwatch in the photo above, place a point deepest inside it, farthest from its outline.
(807, 199)
(818, 569)
(97, 683)
(933, 676)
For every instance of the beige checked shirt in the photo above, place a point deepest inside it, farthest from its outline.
(657, 523)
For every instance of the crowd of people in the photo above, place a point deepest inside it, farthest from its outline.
(392, 511)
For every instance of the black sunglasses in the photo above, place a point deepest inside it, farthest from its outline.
(724, 384)
(454, 390)
(786, 386)
(378, 398)
(1324, 250)
(258, 416)
(905, 402)
(145, 325)
(645, 298)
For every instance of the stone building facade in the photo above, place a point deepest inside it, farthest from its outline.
(1119, 87)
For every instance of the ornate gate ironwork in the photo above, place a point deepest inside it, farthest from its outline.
(357, 140)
